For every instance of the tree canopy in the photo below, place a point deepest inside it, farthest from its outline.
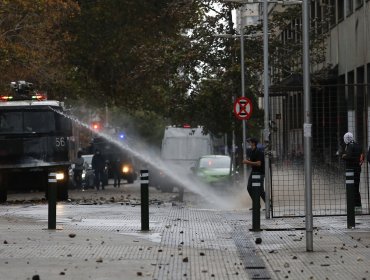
(156, 61)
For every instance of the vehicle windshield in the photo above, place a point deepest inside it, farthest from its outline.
(26, 122)
(87, 159)
(184, 148)
(216, 162)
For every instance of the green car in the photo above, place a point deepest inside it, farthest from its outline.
(214, 170)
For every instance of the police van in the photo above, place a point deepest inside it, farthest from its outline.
(181, 147)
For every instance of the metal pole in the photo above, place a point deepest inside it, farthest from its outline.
(256, 206)
(266, 105)
(52, 201)
(350, 181)
(144, 190)
(243, 90)
(307, 126)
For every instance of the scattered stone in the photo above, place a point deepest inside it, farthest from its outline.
(186, 259)
(286, 265)
(182, 232)
(204, 271)
(62, 273)
(36, 277)
(359, 259)
(160, 250)
(5, 242)
(201, 254)
(99, 260)
(139, 273)
(325, 264)
(72, 235)
(294, 257)
(258, 240)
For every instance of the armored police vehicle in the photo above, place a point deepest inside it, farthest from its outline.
(34, 141)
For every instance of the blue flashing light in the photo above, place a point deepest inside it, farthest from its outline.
(122, 136)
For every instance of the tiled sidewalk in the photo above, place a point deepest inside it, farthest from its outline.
(105, 242)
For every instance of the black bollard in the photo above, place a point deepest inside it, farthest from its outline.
(350, 180)
(256, 205)
(52, 201)
(144, 177)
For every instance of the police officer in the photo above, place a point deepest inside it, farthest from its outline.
(256, 160)
(98, 164)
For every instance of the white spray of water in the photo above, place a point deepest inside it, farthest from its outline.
(176, 173)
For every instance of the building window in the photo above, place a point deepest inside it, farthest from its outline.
(359, 3)
(340, 10)
(351, 90)
(349, 7)
(332, 10)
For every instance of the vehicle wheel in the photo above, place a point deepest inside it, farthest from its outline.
(3, 196)
(130, 179)
(62, 192)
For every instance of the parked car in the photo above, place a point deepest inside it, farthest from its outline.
(215, 170)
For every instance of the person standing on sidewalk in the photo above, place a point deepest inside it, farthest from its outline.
(77, 171)
(117, 171)
(353, 157)
(256, 159)
(98, 165)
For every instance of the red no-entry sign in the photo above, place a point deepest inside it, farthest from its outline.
(243, 108)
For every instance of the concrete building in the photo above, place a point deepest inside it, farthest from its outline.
(340, 76)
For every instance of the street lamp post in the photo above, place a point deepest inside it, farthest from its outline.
(243, 95)
(266, 106)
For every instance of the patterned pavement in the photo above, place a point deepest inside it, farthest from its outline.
(184, 242)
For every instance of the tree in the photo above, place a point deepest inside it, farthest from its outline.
(32, 40)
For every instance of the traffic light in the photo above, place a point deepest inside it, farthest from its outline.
(96, 126)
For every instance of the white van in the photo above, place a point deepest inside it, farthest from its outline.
(181, 147)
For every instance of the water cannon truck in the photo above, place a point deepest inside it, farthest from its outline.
(34, 141)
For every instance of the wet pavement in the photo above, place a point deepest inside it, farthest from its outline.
(99, 236)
